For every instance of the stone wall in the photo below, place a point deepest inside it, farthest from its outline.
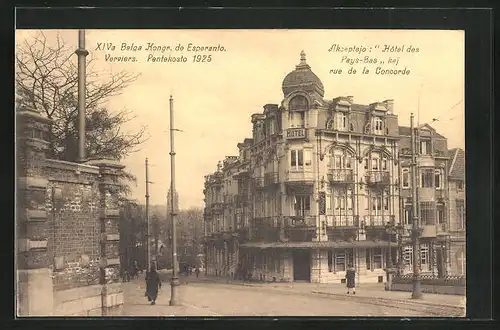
(66, 226)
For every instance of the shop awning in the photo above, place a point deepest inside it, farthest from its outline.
(317, 245)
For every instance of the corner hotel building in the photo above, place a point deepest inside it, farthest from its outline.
(320, 185)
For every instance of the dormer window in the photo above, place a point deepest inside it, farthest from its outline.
(378, 126)
(341, 122)
(425, 147)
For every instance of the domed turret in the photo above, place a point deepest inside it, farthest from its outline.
(302, 78)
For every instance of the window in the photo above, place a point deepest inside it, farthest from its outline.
(377, 258)
(376, 205)
(340, 261)
(460, 185)
(297, 119)
(406, 178)
(337, 161)
(378, 127)
(424, 257)
(368, 259)
(349, 199)
(438, 178)
(408, 255)
(427, 213)
(307, 157)
(426, 178)
(384, 164)
(330, 260)
(425, 147)
(341, 122)
(386, 202)
(460, 214)
(296, 158)
(407, 214)
(440, 213)
(375, 164)
(348, 162)
(302, 205)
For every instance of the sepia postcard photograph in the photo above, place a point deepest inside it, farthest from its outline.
(224, 173)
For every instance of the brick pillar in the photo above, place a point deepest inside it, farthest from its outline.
(109, 215)
(34, 274)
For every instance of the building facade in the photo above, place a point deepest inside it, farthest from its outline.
(317, 188)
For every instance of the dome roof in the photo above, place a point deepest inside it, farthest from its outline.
(302, 78)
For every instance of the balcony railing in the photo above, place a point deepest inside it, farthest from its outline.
(378, 177)
(342, 221)
(271, 178)
(340, 175)
(377, 220)
(300, 221)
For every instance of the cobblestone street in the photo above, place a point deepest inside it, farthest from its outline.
(209, 298)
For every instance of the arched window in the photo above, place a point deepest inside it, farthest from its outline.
(298, 103)
(341, 159)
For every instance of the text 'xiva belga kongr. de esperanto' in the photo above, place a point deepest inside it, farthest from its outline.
(151, 52)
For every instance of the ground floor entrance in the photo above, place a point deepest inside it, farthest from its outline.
(302, 265)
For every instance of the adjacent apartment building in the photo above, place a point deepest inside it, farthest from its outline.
(321, 185)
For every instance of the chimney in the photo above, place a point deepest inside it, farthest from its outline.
(389, 104)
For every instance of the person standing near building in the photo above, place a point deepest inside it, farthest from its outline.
(351, 279)
(153, 283)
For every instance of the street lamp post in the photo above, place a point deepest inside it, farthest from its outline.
(174, 283)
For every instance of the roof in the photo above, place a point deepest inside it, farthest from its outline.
(301, 76)
(309, 245)
(406, 131)
(457, 168)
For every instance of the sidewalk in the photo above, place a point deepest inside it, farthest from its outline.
(136, 304)
(375, 291)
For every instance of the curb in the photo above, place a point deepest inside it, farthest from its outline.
(387, 300)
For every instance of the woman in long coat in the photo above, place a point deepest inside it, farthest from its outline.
(351, 280)
(153, 283)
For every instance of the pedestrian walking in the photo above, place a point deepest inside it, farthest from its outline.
(153, 283)
(350, 276)
(197, 271)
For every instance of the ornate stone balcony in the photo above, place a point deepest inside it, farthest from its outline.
(378, 178)
(340, 175)
(377, 220)
(346, 221)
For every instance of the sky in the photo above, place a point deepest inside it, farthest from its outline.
(214, 100)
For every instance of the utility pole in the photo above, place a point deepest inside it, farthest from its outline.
(81, 52)
(174, 283)
(416, 293)
(148, 245)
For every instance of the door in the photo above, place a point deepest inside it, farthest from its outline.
(302, 265)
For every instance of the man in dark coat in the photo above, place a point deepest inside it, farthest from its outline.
(351, 279)
(153, 283)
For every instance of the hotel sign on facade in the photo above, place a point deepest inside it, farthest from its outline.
(296, 133)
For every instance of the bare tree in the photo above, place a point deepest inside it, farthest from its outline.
(47, 81)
